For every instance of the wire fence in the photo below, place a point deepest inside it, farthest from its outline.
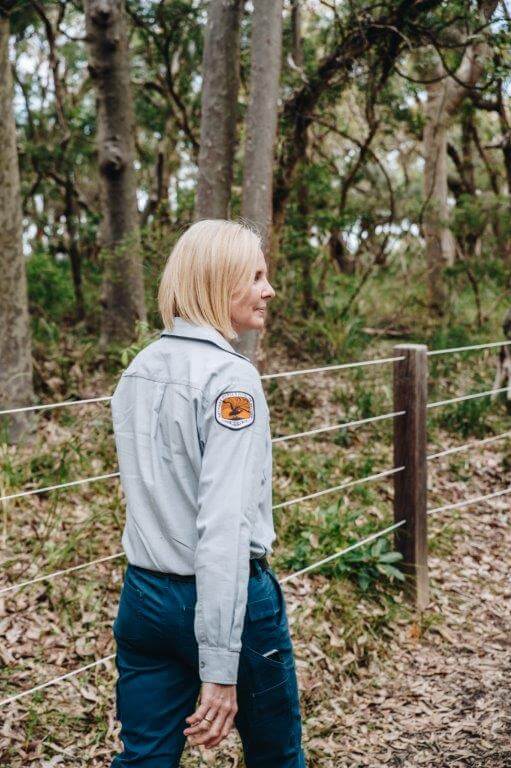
(405, 474)
(281, 505)
(268, 376)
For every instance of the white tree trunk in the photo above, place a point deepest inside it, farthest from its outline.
(261, 128)
(220, 84)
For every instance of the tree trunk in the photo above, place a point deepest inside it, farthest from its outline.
(16, 387)
(444, 98)
(123, 285)
(296, 31)
(339, 254)
(439, 245)
(504, 244)
(220, 84)
(261, 128)
(167, 162)
(75, 256)
(304, 250)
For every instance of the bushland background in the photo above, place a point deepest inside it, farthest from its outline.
(370, 143)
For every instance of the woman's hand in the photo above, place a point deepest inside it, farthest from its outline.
(213, 719)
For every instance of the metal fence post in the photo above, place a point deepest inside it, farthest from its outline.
(410, 485)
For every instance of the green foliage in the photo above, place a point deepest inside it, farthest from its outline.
(372, 197)
(446, 337)
(50, 289)
(365, 565)
(467, 418)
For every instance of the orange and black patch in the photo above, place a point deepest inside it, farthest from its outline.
(235, 409)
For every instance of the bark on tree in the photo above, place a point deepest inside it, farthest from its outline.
(445, 95)
(75, 256)
(16, 386)
(123, 286)
(220, 73)
(261, 129)
(309, 301)
(167, 163)
(296, 30)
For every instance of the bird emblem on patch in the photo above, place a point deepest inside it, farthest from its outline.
(235, 409)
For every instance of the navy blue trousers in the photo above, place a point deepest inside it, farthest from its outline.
(158, 679)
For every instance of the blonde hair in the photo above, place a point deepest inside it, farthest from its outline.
(210, 261)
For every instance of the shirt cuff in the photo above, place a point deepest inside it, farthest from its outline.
(218, 665)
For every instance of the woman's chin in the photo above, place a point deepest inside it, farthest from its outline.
(254, 324)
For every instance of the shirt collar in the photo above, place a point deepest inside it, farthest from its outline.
(188, 330)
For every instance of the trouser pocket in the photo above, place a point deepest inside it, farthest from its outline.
(267, 651)
(270, 692)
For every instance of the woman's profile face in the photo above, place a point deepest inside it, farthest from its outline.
(248, 311)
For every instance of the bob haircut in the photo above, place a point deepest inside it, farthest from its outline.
(211, 260)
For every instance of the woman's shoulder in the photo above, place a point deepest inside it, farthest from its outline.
(231, 364)
(205, 366)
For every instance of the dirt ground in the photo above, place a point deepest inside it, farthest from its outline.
(442, 699)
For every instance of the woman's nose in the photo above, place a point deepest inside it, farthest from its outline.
(268, 291)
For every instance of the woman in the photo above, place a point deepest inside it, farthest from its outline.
(201, 611)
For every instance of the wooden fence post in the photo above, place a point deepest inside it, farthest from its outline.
(410, 485)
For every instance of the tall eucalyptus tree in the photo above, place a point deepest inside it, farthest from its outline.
(16, 387)
(220, 83)
(260, 130)
(123, 286)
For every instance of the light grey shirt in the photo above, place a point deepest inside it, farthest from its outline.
(192, 433)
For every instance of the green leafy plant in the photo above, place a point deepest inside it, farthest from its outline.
(364, 565)
(467, 417)
(368, 564)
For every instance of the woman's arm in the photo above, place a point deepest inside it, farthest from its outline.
(234, 433)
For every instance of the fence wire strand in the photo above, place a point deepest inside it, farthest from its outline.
(468, 502)
(344, 425)
(466, 397)
(48, 576)
(347, 484)
(470, 347)
(343, 551)
(45, 406)
(339, 367)
(473, 443)
(55, 680)
(56, 487)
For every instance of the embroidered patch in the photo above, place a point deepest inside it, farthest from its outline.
(235, 409)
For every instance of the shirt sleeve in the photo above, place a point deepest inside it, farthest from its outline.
(232, 465)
